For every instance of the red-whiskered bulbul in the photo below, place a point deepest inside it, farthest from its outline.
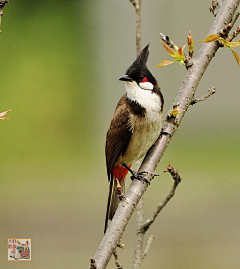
(135, 126)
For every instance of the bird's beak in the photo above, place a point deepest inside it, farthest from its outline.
(125, 78)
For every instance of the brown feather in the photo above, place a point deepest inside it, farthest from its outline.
(118, 135)
(117, 140)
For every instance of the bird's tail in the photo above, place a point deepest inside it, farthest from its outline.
(113, 200)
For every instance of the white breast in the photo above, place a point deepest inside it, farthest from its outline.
(145, 129)
(144, 97)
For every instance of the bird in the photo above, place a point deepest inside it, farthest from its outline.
(135, 126)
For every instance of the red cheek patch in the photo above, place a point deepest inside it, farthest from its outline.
(144, 80)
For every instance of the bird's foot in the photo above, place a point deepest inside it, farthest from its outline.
(140, 175)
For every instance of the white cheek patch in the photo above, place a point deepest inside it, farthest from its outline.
(145, 98)
(146, 85)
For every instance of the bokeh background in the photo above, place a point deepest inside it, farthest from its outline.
(60, 63)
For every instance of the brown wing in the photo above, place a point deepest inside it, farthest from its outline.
(118, 135)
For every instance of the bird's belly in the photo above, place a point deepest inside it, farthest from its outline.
(144, 135)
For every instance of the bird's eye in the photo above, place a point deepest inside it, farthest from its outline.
(145, 79)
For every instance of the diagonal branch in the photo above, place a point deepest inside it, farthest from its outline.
(234, 34)
(155, 153)
(144, 226)
(119, 266)
(149, 243)
(177, 179)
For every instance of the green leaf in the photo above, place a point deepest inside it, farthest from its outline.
(170, 51)
(236, 56)
(164, 63)
(210, 38)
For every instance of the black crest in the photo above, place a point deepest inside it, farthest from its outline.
(138, 69)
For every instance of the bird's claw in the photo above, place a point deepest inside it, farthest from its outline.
(140, 175)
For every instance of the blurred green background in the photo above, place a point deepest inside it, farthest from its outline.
(60, 63)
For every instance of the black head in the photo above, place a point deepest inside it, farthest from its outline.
(138, 70)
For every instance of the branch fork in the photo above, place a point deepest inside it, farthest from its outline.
(144, 226)
(210, 92)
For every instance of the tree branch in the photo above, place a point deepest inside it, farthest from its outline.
(177, 179)
(226, 30)
(168, 42)
(155, 153)
(219, 2)
(235, 33)
(137, 5)
(236, 17)
(2, 5)
(210, 92)
(149, 243)
(139, 236)
(119, 266)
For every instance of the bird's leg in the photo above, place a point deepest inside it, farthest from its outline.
(128, 168)
(140, 175)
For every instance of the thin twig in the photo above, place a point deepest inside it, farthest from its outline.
(174, 173)
(137, 5)
(177, 179)
(138, 26)
(210, 92)
(149, 243)
(119, 266)
(2, 5)
(167, 41)
(234, 34)
(225, 31)
(236, 17)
